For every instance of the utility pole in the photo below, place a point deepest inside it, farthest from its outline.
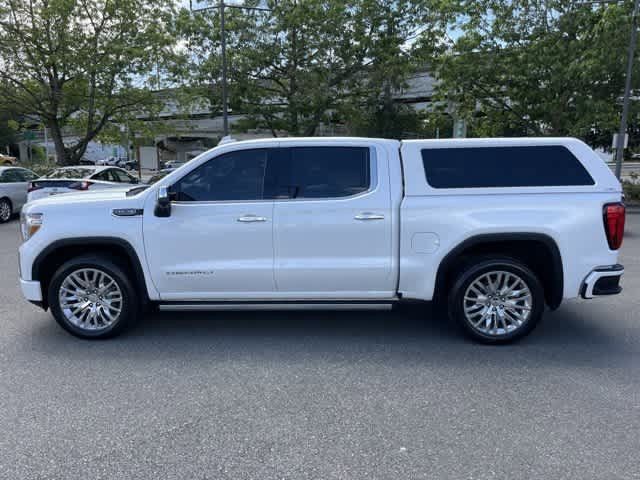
(46, 145)
(627, 89)
(223, 53)
(225, 100)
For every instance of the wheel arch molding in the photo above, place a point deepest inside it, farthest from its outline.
(522, 246)
(58, 252)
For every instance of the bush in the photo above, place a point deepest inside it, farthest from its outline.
(38, 154)
(631, 191)
(39, 167)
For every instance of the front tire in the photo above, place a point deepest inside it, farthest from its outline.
(496, 300)
(5, 210)
(91, 297)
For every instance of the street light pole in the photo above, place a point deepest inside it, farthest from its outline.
(223, 53)
(225, 101)
(627, 90)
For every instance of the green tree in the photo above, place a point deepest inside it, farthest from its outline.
(198, 71)
(305, 62)
(404, 35)
(80, 64)
(293, 65)
(8, 129)
(547, 67)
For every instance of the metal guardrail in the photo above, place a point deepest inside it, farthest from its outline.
(627, 168)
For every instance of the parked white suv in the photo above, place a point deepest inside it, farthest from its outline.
(495, 229)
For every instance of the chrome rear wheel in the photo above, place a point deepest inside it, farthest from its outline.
(497, 303)
(496, 299)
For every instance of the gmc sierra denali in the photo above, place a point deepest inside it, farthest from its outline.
(496, 230)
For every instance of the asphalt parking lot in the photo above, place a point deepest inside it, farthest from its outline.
(383, 395)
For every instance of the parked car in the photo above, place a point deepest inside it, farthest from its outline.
(493, 229)
(13, 190)
(130, 165)
(79, 178)
(7, 160)
(113, 161)
(173, 164)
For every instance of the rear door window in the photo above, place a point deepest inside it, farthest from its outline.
(121, 176)
(103, 176)
(12, 176)
(112, 176)
(28, 175)
(509, 166)
(321, 172)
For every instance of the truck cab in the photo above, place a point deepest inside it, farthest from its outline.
(288, 219)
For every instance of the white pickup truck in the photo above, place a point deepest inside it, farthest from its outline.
(495, 229)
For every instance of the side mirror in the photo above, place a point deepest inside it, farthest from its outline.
(163, 203)
(135, 181)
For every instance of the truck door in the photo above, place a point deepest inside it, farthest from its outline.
(333, 228)
(217, 244)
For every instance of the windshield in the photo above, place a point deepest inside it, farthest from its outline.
(157, 177)
(70, 173)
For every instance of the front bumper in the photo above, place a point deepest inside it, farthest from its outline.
(31, 290)
(602, 281)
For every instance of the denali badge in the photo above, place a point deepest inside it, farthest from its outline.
(190, 272)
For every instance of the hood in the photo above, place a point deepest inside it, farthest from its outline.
(111, 194)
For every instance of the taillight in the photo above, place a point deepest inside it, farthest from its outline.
(613, 215)
(32, 187)
(80, 185)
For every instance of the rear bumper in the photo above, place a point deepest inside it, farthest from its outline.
(602, 281)
(31, 290)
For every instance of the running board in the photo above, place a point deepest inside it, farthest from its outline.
(210, 306)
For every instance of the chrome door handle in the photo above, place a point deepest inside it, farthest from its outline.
(251, 219)
(369, 216)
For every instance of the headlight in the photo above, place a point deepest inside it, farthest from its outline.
(30, 223)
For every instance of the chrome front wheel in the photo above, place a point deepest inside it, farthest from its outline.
(90, 299)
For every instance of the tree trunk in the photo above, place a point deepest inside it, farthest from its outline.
(68, 155)
(61, 151)
(75, 154)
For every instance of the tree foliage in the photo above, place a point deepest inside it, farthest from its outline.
(543, 67)
(405, 36)
(307, 62)
(8, 129)
(81, 63)
(509, 67)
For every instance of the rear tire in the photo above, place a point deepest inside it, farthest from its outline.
(6, 210)
(496, 300)
(91, 297)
